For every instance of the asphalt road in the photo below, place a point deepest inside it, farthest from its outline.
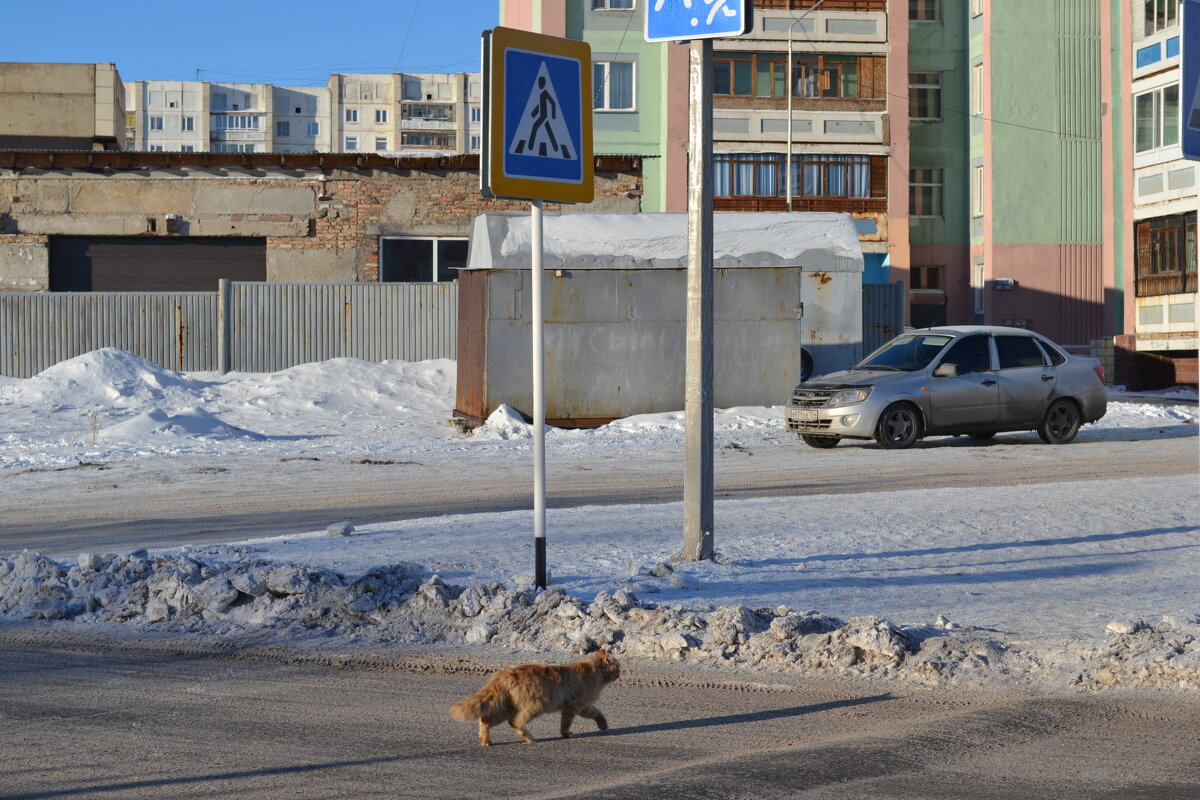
(163, 502)
(83, 719)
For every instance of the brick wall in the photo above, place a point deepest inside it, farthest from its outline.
(1140, 371)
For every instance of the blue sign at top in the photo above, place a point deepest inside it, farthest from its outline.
(675, 20)
(1189, 81)
(543, 117)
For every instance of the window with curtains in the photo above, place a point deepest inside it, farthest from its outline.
(813, 175)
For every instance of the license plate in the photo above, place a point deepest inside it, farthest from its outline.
(802, 414)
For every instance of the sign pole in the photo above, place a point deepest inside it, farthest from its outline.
(539, 400)
(698, 403)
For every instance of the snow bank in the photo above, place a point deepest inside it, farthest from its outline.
(223, 589)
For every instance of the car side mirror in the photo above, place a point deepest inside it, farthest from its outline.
(946, 371)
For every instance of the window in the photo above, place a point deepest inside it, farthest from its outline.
(187, 124)
(444, 141)
(1166, 255)
(351, 142)
(926, 279)
(819, 75)
(156, 123)
(314, 129)
(612, 5)
(1160, 15)
(1018, 351)
(925, 95)
(440, 112)
(381, 115)
(970, 355)
(977, 287)
(475, 144)
(612, 86)
(977, 190)
(925, 193)
(187, 148)
(813, 175)
(232, 147)
(421, 260)
(238, 122)
(476, 114)
(156, 148)
(925, 10)
(283, 128)
(351, 115)
(977, 89)
(1156, 119)
(814, 75)
(381, 143)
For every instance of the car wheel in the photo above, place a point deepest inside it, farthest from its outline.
(984, 436)
(1061, 422)
(820, 442)
(898, 427)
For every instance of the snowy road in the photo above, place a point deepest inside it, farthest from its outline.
(164, 501)
(102, 721)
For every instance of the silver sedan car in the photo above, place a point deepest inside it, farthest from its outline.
(971, 380)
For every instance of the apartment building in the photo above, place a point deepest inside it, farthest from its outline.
(61, 107)
(375, 113)
(1161, 305)
(845, 155)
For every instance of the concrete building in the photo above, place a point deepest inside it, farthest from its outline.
(1157, 200)
(61, 107)
(178, 221)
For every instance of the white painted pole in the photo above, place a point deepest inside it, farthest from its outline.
(539, 401)
(698, 402)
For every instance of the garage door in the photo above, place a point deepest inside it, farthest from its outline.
(128, 264)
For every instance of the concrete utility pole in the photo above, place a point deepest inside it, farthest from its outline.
(539, 400)
(698, 403)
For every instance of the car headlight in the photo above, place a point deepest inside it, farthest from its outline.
(847, 397)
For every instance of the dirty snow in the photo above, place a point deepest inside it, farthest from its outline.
(1090, 583)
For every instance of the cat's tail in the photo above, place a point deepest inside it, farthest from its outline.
(476, 706)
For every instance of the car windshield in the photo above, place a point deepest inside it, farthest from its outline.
(907, 353)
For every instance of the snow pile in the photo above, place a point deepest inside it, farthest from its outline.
(506, 423)
(189, 423)
(225, 589)
(107, 378)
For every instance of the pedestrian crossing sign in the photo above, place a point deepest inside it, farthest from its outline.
(537, 118)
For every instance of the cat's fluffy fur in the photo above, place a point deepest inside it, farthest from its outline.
(518, 694)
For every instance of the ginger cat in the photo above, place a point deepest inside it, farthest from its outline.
(518, 694)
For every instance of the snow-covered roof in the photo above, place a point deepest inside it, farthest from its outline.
(815, 241)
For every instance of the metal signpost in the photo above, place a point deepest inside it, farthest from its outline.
(1189, 80)
(537, 125)
(698, 21)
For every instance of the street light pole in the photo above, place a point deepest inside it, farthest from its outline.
(790, 92)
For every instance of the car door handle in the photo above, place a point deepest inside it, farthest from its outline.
(1047, 377)
(988, 383)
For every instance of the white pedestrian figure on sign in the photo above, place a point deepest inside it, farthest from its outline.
(714, 7)
(544, 111)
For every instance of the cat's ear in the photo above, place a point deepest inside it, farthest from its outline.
(603, 655)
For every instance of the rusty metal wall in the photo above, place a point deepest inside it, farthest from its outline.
(274, 326)
(882, 314)
(174, 329)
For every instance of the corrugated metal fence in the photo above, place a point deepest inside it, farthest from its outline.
(248, 327)
(266, 327)
(883, 314)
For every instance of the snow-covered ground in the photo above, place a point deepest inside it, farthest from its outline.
(1087, 582)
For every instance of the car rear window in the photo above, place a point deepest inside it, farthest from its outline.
(1019, 351)
(1056, 356)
